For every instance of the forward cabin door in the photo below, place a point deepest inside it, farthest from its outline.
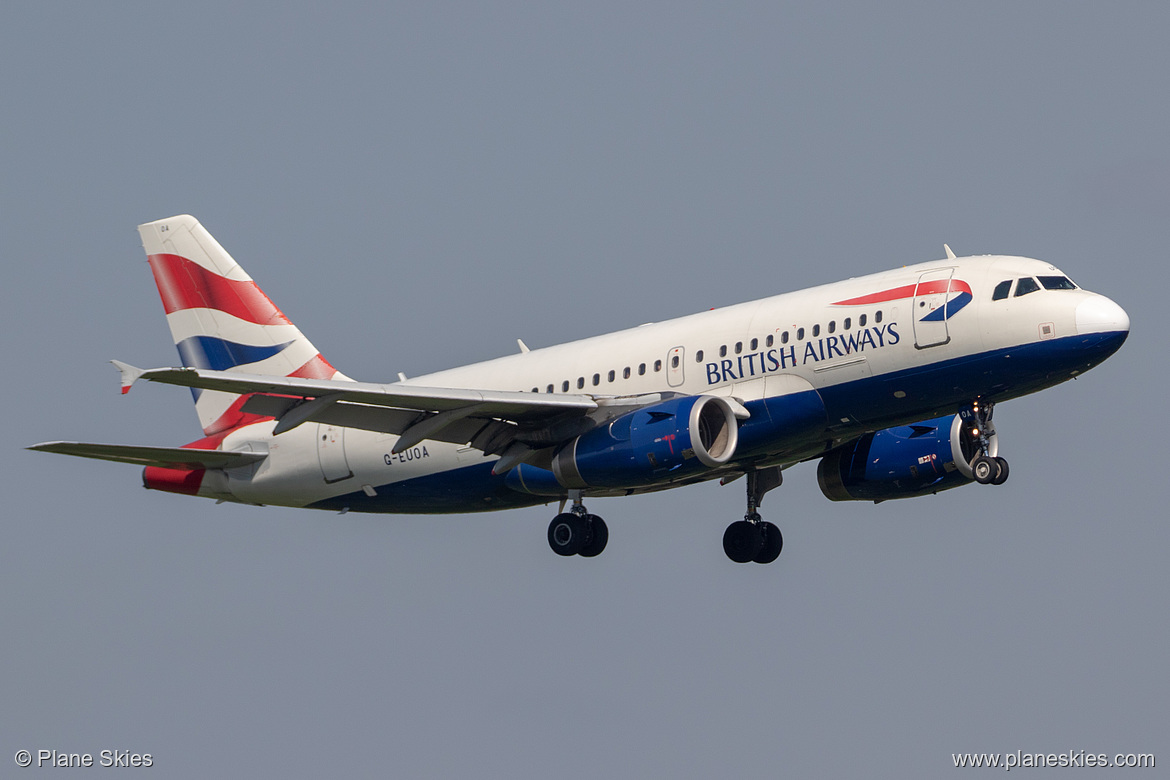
(331, 453)
(930, 308)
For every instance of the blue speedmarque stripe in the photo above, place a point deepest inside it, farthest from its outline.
(220, 355)
(948, 311)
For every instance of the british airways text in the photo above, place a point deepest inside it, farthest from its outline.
(780, 358)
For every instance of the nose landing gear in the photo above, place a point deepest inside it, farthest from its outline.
(986, 468)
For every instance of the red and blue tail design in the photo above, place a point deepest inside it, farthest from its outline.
(220, 319)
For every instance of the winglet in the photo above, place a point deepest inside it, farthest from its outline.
(950, 254)
(129, 373)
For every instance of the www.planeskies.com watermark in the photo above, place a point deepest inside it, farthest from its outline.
(1069, 758)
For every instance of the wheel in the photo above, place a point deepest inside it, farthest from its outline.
(568, 533)
(742, 541)
(772, 545)
(1002, 473)
(984, 469)
(598, 537)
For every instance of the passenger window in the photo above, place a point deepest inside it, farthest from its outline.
(816, 331)
(754, 345)
(580, 383)
(1026, 285)
(800, 334)
(784, 337)
(657, 365)
(1057, 283)
(641, 369)
(848, 322)
(699, 356)
(877, 317)
(674, 362)
(861, 321)
(550, 389)
(565, 386)
(626, 373)
(596, 379)
(1001, 290)
(768, 341)
(723, 351)
(738, 347)
(611, 376)
(832, 326)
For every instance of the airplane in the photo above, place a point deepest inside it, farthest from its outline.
(889, 380)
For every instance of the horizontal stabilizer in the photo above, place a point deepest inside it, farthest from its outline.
(166, 457)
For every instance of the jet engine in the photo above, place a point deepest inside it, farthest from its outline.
(653, 445)
(902, 462)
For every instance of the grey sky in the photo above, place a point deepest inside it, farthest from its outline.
(418, 186)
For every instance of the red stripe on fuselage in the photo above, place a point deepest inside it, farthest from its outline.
(909, 290)
(316, 368)
(188, 481)
(185, 481)
(231, 419)
(183, 284)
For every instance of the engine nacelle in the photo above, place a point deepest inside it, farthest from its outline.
(654, 445)
(903, 462)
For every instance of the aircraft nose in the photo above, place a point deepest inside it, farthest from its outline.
(1098, 314)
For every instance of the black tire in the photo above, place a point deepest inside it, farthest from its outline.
(984, 469)
(598, 538)
(742, 541)
(1002, 473)
(568, 533)
(773, 544)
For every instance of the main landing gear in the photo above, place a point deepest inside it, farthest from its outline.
(577, 532)
(754, 539)
(986, 468)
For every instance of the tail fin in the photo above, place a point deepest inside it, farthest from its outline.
(220, 319)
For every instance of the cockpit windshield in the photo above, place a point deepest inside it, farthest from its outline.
(1026, 285)
(1057, 283)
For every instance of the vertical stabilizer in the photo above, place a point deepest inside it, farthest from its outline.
(220, 319)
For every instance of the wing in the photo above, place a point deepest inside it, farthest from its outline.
(167, 457)
(515, 425)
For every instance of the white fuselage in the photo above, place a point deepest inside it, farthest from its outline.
(860, 343)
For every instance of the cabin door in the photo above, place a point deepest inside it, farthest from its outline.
(674, 367)
(930, 308)
(331, 453)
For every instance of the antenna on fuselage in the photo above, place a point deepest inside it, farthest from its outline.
(950, 254)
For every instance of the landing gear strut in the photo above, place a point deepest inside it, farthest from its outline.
(577, 532)
(753, 538)
(986, 469)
